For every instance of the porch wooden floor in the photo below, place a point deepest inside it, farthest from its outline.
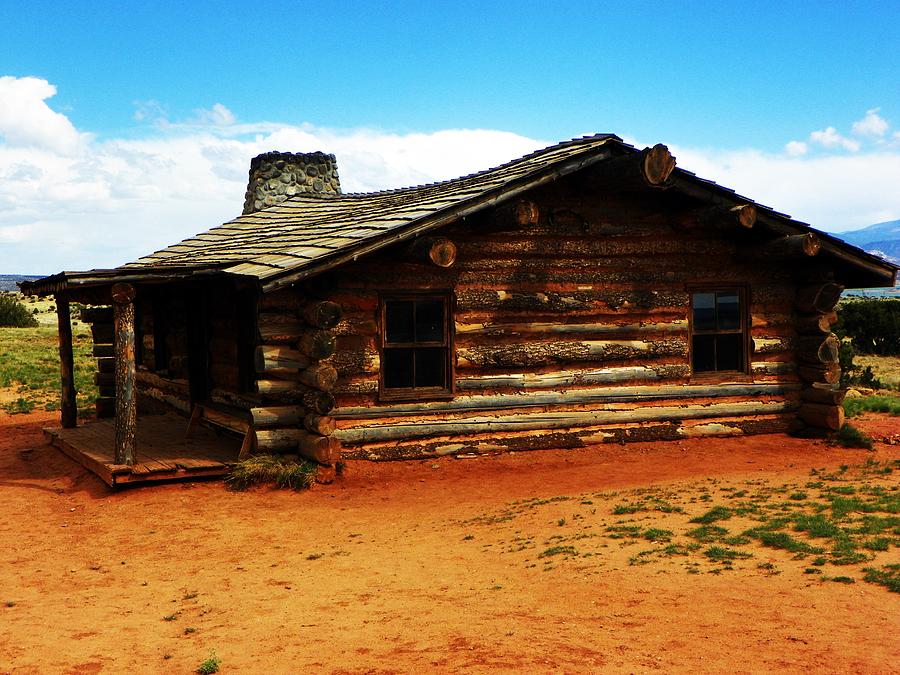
(161, 450)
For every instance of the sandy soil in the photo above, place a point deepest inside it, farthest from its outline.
(416, 566)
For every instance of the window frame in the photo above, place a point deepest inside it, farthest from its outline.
(447, 343)
(743, 294)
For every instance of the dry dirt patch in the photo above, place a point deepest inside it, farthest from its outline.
(415, 566)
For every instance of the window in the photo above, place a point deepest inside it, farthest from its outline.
(718, 331)
(415, 347)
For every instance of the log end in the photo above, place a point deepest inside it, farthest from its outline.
(442, 253)
(811, 244)
(745, 215)
(657, 165)
(122, 293)
(527, 213)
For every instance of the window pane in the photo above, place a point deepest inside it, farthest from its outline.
(703, 353)
(398, 368)
(430, 370)
(398, 317)
(429, 321)
(729, 311)
(704, 311)
(729, 352)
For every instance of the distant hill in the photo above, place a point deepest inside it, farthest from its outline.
(882, 239)
(8, 281)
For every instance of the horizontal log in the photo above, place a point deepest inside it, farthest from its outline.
(554, 420)
(476, 299)
(823, 393)
(599, 248)
(104, 351)
(574, 438)
(772, 367)
(531, 354)
(102, 333)
(818, 299)
(652, 167)
(819, 350)
(823, 374)
(278, 416)
(830, 417)
(171, 385)
(763, 345)
(349, 363)
(276, 440)
(804, 245)
(438, 251)
(320, 376)
(105, 379)
(281, 333)
(271, 357)
(106, 390)
(816, 324)
(321, 402)
(97, 315)
(543, 399)
(319, 424)
(568, 378)
(321, 314)
(495, 328)
(235, 422)
(321, 449)
(105, 406)
(317, 344)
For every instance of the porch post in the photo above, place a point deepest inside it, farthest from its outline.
(68, 408)
(126, 408)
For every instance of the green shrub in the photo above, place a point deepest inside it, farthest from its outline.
(271, 469)
(14, 314)
(873, 325)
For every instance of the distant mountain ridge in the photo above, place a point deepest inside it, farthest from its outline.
(8, 281)
(881, 239)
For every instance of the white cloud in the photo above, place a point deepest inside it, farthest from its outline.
(26, 121)
(872, 125)
(796, 148)
(830, 138)
(217, 116)
(85, 203)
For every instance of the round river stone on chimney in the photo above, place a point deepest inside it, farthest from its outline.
(276, 176)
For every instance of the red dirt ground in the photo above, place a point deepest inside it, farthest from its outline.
(385, 571)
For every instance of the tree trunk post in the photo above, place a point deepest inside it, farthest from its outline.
(126, 408)
(68, 408)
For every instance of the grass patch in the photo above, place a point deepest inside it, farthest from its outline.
(851, 437)
(782, 540)
(271, 469)
(29, 361)
(707, 534)
(881, 404)
(714, 514)
(654, 534)
(816, 526)
(888, 576)
(724, 554)
(557, 550)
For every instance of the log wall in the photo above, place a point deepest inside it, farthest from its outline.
(569, 331)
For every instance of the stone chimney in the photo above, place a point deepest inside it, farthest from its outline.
(275, 176)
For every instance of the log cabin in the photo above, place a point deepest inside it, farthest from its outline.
(587, 293)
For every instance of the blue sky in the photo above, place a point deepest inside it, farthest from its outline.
(781, 101)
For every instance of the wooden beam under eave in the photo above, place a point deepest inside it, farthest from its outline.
(68, 407)
(126, 391)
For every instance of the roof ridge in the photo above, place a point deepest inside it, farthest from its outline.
(582, 140)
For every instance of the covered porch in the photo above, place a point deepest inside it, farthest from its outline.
(162, 451)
